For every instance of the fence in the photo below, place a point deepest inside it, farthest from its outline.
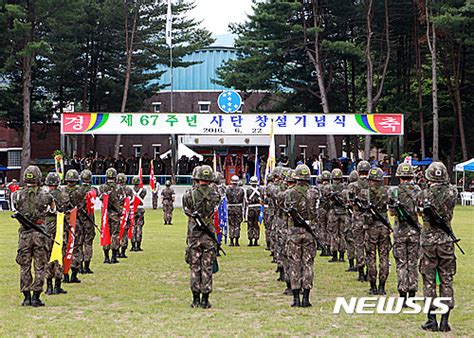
(180, 179)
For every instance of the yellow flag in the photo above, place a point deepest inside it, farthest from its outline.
(57, 253)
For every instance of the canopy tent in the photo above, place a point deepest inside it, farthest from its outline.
(183, 150)
(425, 161)
(464, 166)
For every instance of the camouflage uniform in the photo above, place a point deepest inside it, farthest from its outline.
(154, 196)
(253, 199)
(89, 228)
(53, 269)
(348, 234)
(324, 207)
(235, 204)
(168, 196)
(124, 242)
(137, 233)
(336, 217)
(271, 215)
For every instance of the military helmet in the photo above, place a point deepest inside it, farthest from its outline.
(72, 175)
(336, 174)
(205, 173)
(253, 180)
(353, 176)
(375, 174)
(32, 174)
(325, 175)
(270, 177)
(302, 172)
(276, 172)
(121, 178)
(168, 183)
(290, 177)
(111, 173)
(234, 179)
(136, 180)
(52, 179)
(194, 175)
(363, 166)
(284, 172)
(436, 172)
(219, 177)
(86, 176)
(405, 170)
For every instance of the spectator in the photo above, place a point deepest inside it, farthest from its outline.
(167, 162)
(373, 162)
(121, 165)
(99, 166)
(109, 162)
(183, 165)
(76, 163)
(316, 165)
(146, 164)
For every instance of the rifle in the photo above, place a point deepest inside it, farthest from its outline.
(403, 215)
(438, 221)
(341, 203)
(31, 225)
(201, 225)
(375, 214)
(301, 222)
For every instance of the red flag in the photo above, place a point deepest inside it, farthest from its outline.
(105, 230)
(217, 223)
(140, 172)
(152, 176)
(133, 210)
(70, 241)
(90, 201)
(124, 217)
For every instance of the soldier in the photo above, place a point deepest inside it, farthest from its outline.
(271, 194)
(114, 207)
(137, 233)
(378, 235)
(155, 195)
(122, 182)
(90, 194)
(324, 206)
(253, 201)
(53, 269)
(437, 248)
(235, 204)
(336, 216)
(70, 198)
(267, 213)
(167, 199)
(284, 230)
(33, 203)
(301, 244)
(201, 250)
(281, 223)
(349, 221)
(406, 238)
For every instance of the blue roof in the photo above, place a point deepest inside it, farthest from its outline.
(198, 76)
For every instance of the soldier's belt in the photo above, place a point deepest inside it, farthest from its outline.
(234, 205)
(253, 205)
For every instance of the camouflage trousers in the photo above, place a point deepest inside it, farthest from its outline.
(235, 220)
(89, 235)
(77, 257)
(335, 229)
(281, 234)
(359, 233)
(253, 231)
(32, 247)
(406, 252)
(154, 200)
(268, 226)
(378, 241)
(441, 258)
(322, 227)
(137, 232)
(201, 253)
(124, 240)
(114, 226)
(301, 250)
(168, 211)
(349, 238)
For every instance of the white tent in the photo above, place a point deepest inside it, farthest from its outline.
(183, 150)
(464, 166)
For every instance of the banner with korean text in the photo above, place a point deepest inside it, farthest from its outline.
(231, 124)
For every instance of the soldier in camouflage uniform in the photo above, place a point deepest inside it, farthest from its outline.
(378, 235)
(336, 216)
(281, 224)
(301, 244)
(437, 248)
(267, 213)
(53, 269)
(324, 207)
(167, 198)
(155, 196)
(406, 238)
(137, 234)
(271, 195)
(253, 202)
(360, 218)
(34, 203)
(114, 209)
(122, 182)
(348, 234)
(235, 204)
(201, 250)
(89, 231)
(69, 198)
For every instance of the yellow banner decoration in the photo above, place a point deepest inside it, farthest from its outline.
(57, 253)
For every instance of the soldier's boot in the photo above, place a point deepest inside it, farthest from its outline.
(49, 286)
(237, 242)
(74, 278)
(341, 256)
(366, 275)
(444, 325)
(196, 299)
(431, 324)
(81, 268)
(403, 295)
(296, 298)
(87, 267)
(231, 242)
(411, 294)
(123, 253)
(57, 287)
(250, 242)
(205, 301)
(106, 257)
(133, 247)
(351, 265)
(361, 277)
(255, 243)
(382, 288)
(373, 288)
(287, 291)
(267, 248)
(281, 278)
(66, 278)
(305, 302)
(139, 246)
(35, 300)
(334, 257)
(326, 252)
(114, 259)
(27, 299)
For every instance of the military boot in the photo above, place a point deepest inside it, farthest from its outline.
(361, 274)
(287, 291)
(66, 278)
(237, 242)
(281, 278)
(296, 298)
(87, 267)
(49, 286)
(382, 288)
(411, 294)
(81, 268)
(250, 242)
(305, 302)
(231, 242)
(373, 288)
(255, 243)
(119, 254)
(267, 248)
(133, 247)
(341, 256)
(334, 257)
(35, 300)
(431, 324)
(196, 299)
(403, 295)
(27, 299)
(139, 246)
(114, 259)
(123, 253)
(106, 257)
(351, 265)
(57, 287)
(74, 278)
(205, 301)
(444, 325)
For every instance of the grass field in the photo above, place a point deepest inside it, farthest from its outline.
(148, 294)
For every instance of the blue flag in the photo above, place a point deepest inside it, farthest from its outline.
(260, 215)
(257, 165)
(223, 223)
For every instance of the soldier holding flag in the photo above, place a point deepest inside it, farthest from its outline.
(253, 201)
(90, 195)
(139, 193)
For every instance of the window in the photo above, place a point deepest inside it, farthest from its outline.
(156, 150)
(14, 158)
(138, 150)
(156, 107)
(204, 106)
(282, 149)
(303, 150)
